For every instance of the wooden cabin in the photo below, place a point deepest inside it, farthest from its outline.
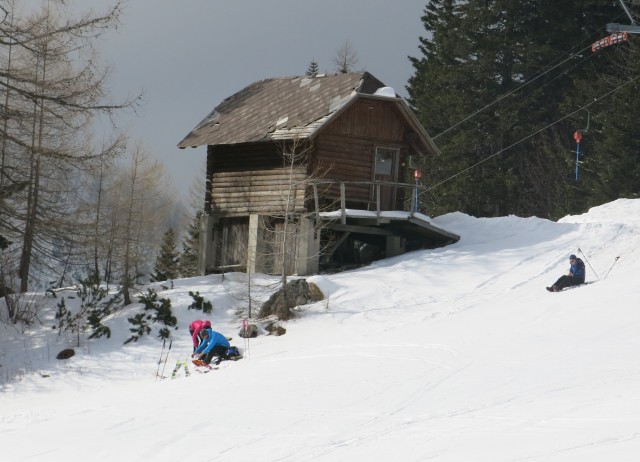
(283, 153)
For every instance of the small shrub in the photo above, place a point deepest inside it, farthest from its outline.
(199, 303)
(63, 316)
(155, 310)
(140, 326)
(92, 307)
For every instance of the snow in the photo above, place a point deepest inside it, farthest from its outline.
(372, 214)
(387, 92)
(452, 354)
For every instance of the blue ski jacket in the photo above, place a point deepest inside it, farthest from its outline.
(214, 339)
(577, 270)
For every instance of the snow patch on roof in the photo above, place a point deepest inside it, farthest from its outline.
(387, 92)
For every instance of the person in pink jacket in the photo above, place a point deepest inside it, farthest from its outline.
(195, 328)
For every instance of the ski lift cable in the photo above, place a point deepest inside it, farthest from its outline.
(536, 77)
(595, 100)
(524, 97)
(496, 101)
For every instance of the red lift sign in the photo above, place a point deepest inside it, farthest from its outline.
(618, 37)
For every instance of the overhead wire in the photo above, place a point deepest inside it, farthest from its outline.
(526, 84)
(519, 102)
(610, 92)
(496, 101)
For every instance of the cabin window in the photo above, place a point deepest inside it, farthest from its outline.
(385, 161)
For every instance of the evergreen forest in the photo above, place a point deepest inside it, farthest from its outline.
(503, 86)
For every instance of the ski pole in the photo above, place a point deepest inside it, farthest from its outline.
(160, 360)
(614, 262)
(587, 260)
(165, 358)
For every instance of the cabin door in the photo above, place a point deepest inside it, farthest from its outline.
(386, 170)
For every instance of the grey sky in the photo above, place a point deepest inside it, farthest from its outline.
(187, 56)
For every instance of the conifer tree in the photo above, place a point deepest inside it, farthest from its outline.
(491, 76)
(167, 262)
(312, 70)
(190, 246)
(609, 165)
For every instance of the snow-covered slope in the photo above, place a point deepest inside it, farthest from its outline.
(453, 354)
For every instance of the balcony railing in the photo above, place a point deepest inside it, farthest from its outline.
(411, 199)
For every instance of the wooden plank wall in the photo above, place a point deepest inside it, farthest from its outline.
(261, 192)
(347, 148)
(347, 159)
(231, 237)
(370, 119)
(252, 179)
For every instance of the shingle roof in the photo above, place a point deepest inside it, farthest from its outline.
(290, 107)
(279, 108)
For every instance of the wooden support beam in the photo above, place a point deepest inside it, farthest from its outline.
(378, 202)
(316, 202)
(360, 229)
(343, 200)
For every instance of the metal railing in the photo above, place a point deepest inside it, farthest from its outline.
(377, 185)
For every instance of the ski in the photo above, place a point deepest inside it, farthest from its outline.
(201, 366)
(205, 370)
(550, 289)
(175, 369)
(180, 364)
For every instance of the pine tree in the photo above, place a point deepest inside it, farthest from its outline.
(312, 70)
(190, 246)
(167, 262)
(610, 154)
(491, 87)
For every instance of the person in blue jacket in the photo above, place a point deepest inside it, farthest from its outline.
(213, 344)
(573, 278)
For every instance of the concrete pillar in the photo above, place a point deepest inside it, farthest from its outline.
(307, 254)
(206, 244)
(255, 246)
(395, 246)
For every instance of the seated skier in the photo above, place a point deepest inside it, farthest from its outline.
(573, 278)
(213, 344)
